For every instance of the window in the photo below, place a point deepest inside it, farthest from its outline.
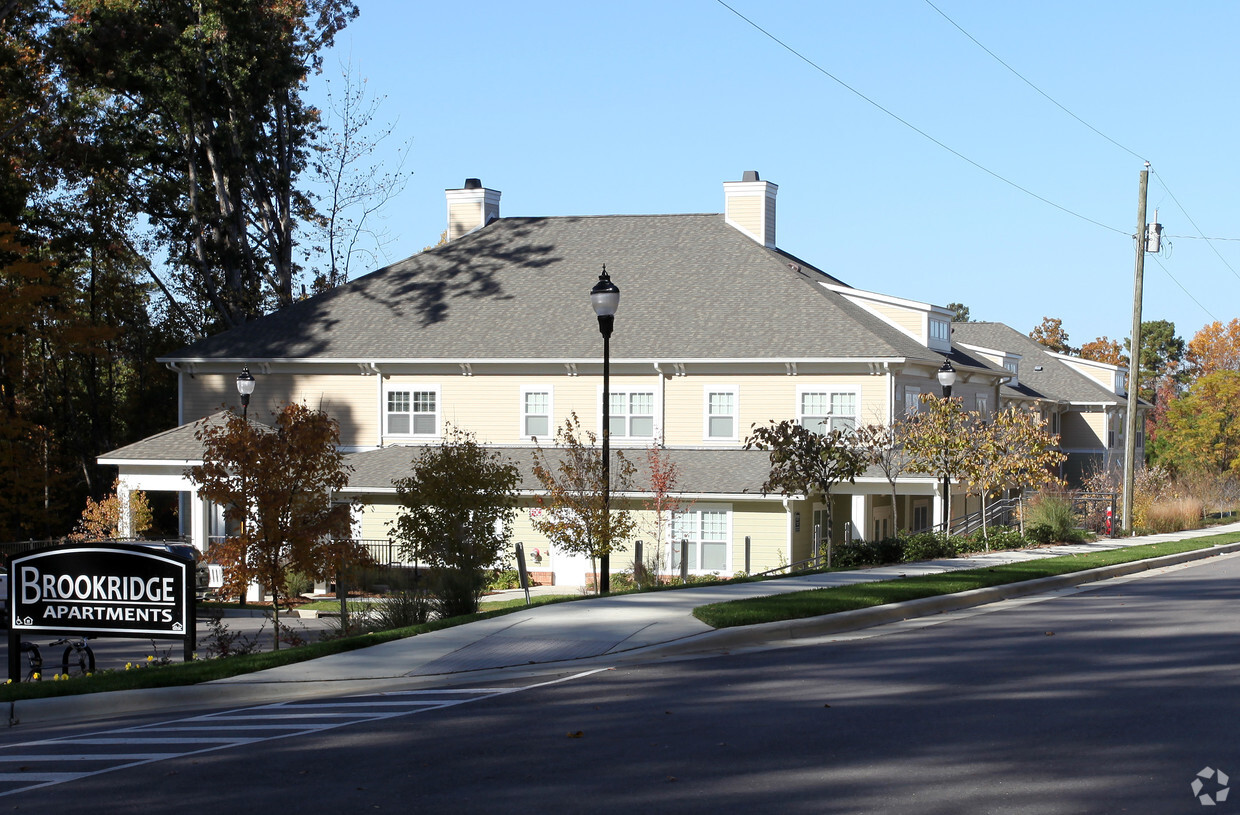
(921, 517)
(412, 412)
(823, 410)
(704, 532)
(912, 399)
(939, 330)
(632, 414)
(535, 412)
(983, 406)
(720, 414)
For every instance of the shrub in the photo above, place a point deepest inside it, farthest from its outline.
(1053, 511)
(297, 583)
(401, 609)
(928, 546)
(456, 591)
(1174, 515)
(500, 579)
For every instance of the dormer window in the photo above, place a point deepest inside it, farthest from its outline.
(940, 330)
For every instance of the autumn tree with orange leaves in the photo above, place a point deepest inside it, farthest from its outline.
(277, 485)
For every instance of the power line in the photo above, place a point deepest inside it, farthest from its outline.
(913, 127)
(1019, 76)
(1200, 235)
(1178, 283)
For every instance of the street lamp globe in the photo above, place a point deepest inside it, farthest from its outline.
(947, 377)
(245, 387)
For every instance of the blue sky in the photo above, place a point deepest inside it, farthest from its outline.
(573, 108)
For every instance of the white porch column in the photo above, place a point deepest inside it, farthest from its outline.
(124, 515)
(197, 521)
(861, 520)
(937, 505)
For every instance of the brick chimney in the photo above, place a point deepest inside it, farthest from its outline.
(471, 208)
(749, 205)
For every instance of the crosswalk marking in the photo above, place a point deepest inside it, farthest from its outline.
(43, 765)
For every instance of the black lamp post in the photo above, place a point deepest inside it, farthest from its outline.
(947, 378)
(605, 297)
(245, 386)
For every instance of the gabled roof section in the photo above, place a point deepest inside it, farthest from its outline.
(180, 444)
(1056, 381)
(692, 288)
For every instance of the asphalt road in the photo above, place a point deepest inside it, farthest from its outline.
(1103, 700)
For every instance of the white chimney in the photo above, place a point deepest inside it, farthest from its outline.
(749, 205)
(471, 208)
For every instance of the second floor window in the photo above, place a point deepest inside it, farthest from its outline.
(826, 410)
(720, 414)
(536, 413)
(632, 414)
(412, 412)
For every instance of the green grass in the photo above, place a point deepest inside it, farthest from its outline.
(817, 602)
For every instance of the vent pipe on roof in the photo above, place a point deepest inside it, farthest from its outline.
(749, 205)
(470, 208)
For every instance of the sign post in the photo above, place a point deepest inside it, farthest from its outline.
(112, 589)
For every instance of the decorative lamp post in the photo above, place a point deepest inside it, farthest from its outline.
(245, 387)
(605, 297)
(947, 378)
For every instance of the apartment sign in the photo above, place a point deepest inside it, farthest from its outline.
(96, 589)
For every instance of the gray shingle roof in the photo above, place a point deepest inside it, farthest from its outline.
(1056, 381)
(691, 288)
(177, 444)
(719, 472)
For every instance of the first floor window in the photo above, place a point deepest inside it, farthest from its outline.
(912, 399)
(983, 406)
(702, 534)
(921, 517)
(412, 412)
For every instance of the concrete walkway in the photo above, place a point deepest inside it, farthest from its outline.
(626, 623)
(633, 625)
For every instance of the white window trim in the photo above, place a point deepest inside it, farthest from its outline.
(652, 389)
(707, 390)
(551, 424)
(982, 402)
(411, 388)
(697, 510)
(830, 390)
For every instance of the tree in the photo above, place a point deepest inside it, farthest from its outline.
(960, 312)
(574, 516)
(663, 504)
(1216, 347)
(1201, 433)
(883, 447)
(457, 507)
(102, 519)
(1012, 451)
(276, 484)
(940, 440)
(356, 189)
(806, 463)
(1161, 353)
(1105, 349)
(1051, 334)
(206, 96)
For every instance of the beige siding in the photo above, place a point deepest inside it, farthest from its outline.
(760, 399)
(1083, 430)
(350, 399)
(908, 320)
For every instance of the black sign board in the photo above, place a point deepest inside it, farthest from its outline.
(118, 590)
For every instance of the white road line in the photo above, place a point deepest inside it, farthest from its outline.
(261, 718)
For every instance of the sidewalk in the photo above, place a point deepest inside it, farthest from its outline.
(624, 623)
(609, 627)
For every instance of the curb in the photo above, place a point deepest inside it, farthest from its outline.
(857, 619)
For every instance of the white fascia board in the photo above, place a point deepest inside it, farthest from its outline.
(225, 361)
(148, 462)
(903, 302)
(1088, 363)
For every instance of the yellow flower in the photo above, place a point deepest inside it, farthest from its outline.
(37, 676)
(128, 665)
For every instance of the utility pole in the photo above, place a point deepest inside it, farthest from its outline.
(1134, 358)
